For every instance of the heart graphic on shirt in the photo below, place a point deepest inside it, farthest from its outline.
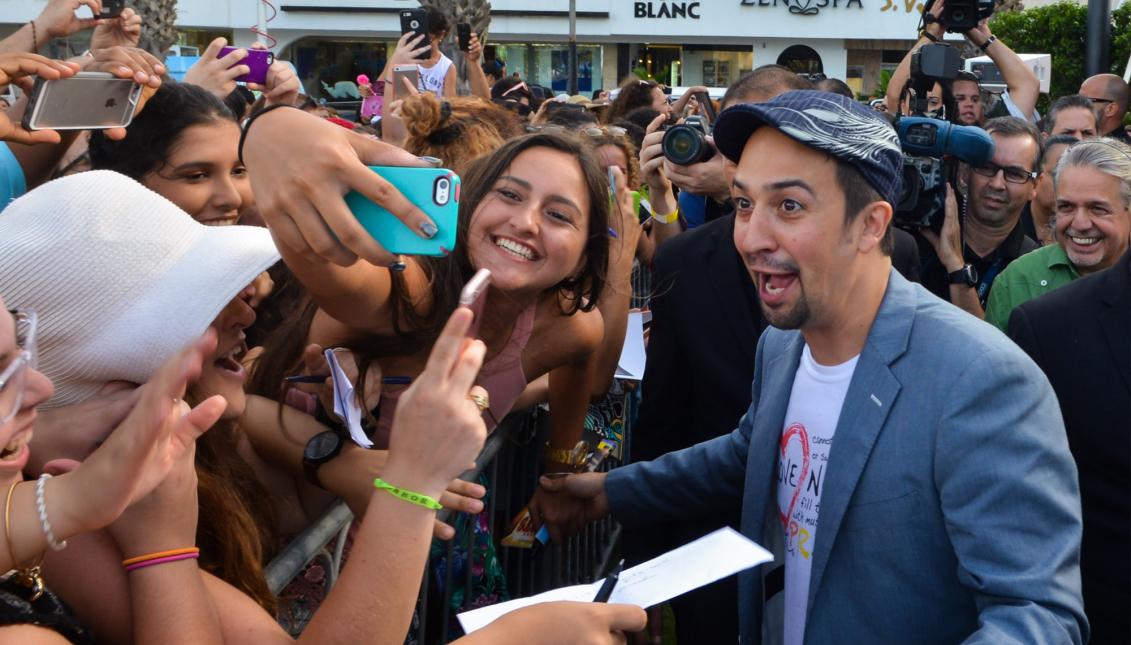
(796, 430)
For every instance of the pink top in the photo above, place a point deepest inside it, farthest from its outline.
(502, 377)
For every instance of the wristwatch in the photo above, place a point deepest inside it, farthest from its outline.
(321, 448)
(967, 275)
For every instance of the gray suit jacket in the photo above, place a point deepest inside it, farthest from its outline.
(950, 508)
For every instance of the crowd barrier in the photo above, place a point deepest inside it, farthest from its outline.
(509, 466)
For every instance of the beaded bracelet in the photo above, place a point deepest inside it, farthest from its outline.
(41, 508)
(419, 499)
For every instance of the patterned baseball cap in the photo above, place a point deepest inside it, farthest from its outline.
(831, 123)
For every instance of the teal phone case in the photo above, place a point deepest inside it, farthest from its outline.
(434, 191)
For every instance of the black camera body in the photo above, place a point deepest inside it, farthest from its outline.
(960, 16)
(686, 143)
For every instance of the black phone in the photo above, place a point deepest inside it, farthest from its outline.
(707, 107)
(463, 34)
(416, 21)
(112, 8)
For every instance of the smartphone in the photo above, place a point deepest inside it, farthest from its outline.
(411, 72)
(416, 21)
(433, 190)
(85, 101)
(112, 8)
(707, 107)
(258, 60)
(473, 296)
(463, 34)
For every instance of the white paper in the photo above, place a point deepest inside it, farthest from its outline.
(711, 557)
(345, 403)
(632, 356)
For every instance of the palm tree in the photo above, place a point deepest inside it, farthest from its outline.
(158, 25)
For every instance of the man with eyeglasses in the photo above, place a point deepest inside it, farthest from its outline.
(1111, 97)
(962, 261)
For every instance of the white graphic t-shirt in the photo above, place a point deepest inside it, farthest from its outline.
(807, 437)
(431, 79)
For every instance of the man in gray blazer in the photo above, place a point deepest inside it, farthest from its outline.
(906, 461)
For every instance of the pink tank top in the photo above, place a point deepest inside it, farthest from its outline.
(502, 377)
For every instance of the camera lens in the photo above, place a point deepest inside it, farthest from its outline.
(685, 145)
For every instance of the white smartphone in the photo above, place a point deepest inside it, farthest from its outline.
(411, 72)
(85, 101)
(474, 296)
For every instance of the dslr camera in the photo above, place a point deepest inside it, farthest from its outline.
(932, 147)
(686, 143)
(961, 16)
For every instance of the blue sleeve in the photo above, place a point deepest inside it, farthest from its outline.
(12, 182)
(1008, 488)
(693, 208)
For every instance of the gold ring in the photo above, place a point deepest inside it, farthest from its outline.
(481, 401)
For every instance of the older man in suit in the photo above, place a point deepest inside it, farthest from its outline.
(906, 461)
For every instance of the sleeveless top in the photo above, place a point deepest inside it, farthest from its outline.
(502, 377)
(432, 78)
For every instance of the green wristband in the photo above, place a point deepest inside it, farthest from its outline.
(407, 495)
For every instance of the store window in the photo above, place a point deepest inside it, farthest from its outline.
(548, 64)
(329, 68)
(713, 67)
(802, 60)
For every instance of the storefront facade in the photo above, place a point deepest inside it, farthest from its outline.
(676, 42)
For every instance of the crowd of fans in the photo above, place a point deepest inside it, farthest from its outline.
(168, 417)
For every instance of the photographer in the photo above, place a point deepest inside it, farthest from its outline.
(1022, 86)
(963, 259)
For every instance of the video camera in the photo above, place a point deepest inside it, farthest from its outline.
(960, 16)
(931, 147)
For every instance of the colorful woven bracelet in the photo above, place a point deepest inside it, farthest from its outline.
(160, 554)
(171, 558)
(419, 499)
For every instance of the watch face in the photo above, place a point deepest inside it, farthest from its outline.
(322, 446)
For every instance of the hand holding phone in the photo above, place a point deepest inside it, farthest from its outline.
(435, 191)
(258, 62)
(411, 72)
(86, 101)
(463, 34)
(474, 296)
(415, 21)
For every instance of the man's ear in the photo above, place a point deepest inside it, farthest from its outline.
(873, 220)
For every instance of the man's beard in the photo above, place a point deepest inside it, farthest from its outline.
(793, 318)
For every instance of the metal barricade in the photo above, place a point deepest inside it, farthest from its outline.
(510, 461)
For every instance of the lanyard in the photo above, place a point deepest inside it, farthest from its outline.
(988, 279)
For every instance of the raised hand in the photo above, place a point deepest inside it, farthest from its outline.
(301, 166)
(439, 430)
(218, 75)
(123, 31)
(16, 67)
(138, 455)
(58, 19)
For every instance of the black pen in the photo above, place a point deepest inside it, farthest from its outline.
(610, 583)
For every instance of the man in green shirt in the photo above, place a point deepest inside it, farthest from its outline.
(1092, 222)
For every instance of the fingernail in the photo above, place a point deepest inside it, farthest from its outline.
(397, 266)
(436, 163)
(612, 232)
(445, 250)
(429, 229)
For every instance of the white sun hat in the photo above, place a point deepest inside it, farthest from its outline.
(120, 277)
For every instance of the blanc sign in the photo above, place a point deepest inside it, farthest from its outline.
(669, 9)
(804, 7)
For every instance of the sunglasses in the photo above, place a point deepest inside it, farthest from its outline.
(13, 379)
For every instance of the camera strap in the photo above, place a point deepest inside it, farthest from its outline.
(986, 280)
